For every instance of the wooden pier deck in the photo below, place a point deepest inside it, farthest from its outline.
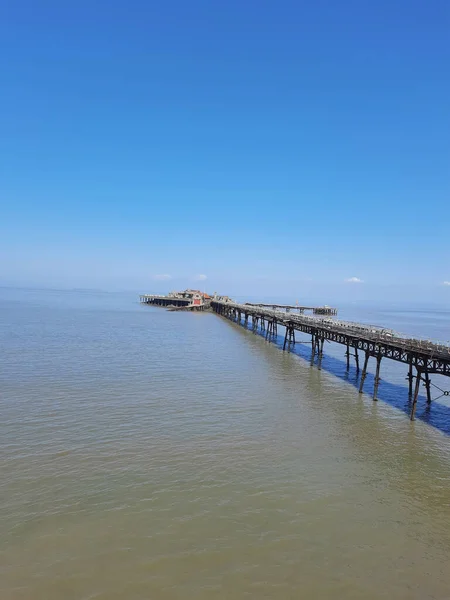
(423, 357)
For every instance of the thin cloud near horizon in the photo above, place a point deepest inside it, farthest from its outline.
(354, 280)
(162, 277)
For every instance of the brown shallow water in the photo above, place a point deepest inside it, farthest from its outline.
(153, 454)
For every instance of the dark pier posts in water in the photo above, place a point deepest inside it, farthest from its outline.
(289, 337)
(357, 359)
(427, 385)
(356, 355)
(422, 375)
(271, 329)
(318, 344)
(364, 372)
(255, 323)
(416, 394)
(410, 377)
(322, 340)
(377, 378)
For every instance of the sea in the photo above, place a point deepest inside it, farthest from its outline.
(156, 455)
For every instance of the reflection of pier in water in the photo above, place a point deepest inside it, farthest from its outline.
(423, 357)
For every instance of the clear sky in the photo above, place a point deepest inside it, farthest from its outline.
(274, 147)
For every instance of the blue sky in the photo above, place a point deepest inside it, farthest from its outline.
(274, 147)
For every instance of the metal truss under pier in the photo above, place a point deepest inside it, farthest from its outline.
(421, 356)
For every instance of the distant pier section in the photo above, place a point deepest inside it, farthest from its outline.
(316, 310)
(185, 300)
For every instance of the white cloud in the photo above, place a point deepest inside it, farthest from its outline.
(200, 277)
(163, 277)
(446, 283)
(354, 280)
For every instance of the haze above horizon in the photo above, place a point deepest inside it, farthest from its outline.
(285, 149)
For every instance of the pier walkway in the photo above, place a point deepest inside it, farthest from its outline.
(423, 357)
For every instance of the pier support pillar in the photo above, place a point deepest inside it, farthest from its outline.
(317, 345)
(428, 386)
(285, 338)
(416, 394)
(357, 359)
(289, 337)
(364, 373)
(377, 378)
(410, 378)
(322, 340)
(348, 356)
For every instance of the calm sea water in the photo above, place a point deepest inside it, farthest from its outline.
(148, 454)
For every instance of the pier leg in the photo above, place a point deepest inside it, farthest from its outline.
(357, 360)
(313, 347)
(364, 373)
(428, 386)
(377, 378)
(285, 338)
(293, 336)
(416, 394)
(321, 353)
(348, 357)
(410, 377)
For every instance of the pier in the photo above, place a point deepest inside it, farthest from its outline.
(422, 357)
